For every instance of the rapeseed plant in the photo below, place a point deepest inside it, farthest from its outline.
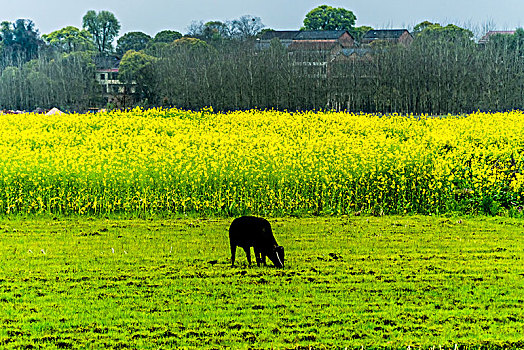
(266, 162)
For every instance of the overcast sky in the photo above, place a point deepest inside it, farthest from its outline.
(151, 16)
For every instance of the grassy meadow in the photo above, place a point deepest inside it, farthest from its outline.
(382, 282)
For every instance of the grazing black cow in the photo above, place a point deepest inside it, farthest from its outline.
(251, 231)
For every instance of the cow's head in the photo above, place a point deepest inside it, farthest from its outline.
(277, 256)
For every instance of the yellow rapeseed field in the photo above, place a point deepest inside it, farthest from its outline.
(265, 162)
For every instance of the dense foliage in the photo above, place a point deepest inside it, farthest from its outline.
(19, 42)
(219, 65)
(265, 162)
(65, 81)
(104, 28)
(442, 71)
(325, 17)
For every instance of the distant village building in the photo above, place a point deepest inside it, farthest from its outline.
(392, 36)
(353, 53)
(113, 90)
(298, 39)
(315, 50)
(484, 40)
(311, 50)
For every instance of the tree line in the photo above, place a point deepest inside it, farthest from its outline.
(218, 64)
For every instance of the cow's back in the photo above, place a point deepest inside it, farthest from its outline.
(250, 231)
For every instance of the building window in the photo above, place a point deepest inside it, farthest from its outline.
(102, 76)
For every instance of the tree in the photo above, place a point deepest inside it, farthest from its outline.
(325, 17)
(136, 68)
(247, 27)
(11, 84)
(518, 41)
(6, 33)
(166, 36)
(190, 43)
(132, 41)
(509, 43)
(6, 39)
(211, 31)
(161, 42)
(423, 25)
(70, 39)
(54, 79)
(216, 30)
(20, 41)
(450, 34)
(195, 29)
(104, 28)
(359, 32)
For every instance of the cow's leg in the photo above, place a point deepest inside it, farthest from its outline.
(233, 251)
(248, 254)
(258, 255)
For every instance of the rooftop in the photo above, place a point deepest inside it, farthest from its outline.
(103, 62)
(303, 34)
(485, 38)
(320, 34)
(384, 34)
(313, 45)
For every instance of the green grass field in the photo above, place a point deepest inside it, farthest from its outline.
(383, 282)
